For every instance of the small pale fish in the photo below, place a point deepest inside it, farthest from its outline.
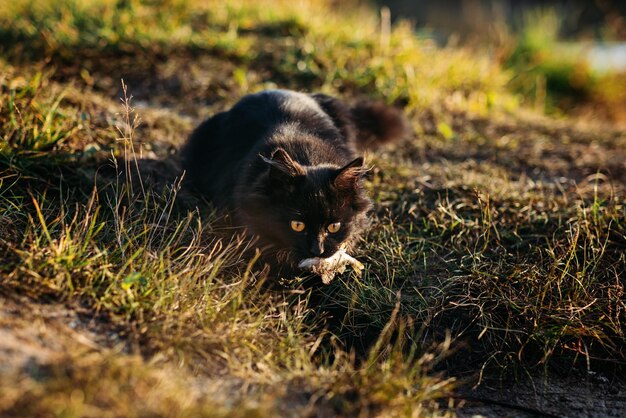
(328, 267)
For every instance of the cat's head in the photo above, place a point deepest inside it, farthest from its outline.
(309, 211)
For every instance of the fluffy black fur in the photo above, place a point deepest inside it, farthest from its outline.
(279, 156)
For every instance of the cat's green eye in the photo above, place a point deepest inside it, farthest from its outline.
(297, 226)
(332, 228)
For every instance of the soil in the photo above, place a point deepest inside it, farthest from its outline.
(577, 395)
(33, 335)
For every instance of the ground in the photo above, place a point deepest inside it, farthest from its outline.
(495, 259)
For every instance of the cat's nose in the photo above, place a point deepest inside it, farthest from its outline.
(317, 248)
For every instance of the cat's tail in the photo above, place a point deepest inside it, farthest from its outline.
(366, 123)
(377, 123)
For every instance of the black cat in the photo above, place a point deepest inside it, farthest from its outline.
(285, 164)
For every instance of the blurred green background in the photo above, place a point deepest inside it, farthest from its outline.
(564, 55)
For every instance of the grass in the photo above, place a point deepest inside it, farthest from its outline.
(179, 289)
(497, 242)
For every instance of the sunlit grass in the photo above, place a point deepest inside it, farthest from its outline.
(305, 45)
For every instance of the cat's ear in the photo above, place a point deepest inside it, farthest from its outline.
(347, 177)
(282, 166)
